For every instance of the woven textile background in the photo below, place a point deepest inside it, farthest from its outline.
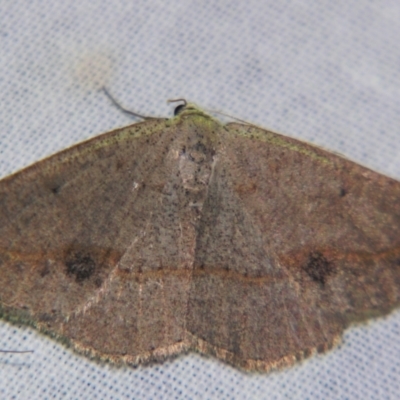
(322, 71)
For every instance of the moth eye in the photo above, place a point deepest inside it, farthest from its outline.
(179, 109)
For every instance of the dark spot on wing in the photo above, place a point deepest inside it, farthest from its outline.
(80, 265)
(55, 189)
(200, 147)
(54, 184)
(318, 267)
(343, 192)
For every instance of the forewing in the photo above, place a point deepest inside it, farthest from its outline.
(79, 254)
(294, 244)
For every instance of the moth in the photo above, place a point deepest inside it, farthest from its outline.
(186, 234)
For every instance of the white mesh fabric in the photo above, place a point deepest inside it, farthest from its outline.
(326, 72)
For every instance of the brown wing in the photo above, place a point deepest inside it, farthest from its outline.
(289, 244)
(294, 244)
(74, 230)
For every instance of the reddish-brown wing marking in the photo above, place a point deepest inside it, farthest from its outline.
(167, 236)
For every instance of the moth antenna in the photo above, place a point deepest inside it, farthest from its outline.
(176, 100)
(16, 351)
(229, 116)
(123, 109)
